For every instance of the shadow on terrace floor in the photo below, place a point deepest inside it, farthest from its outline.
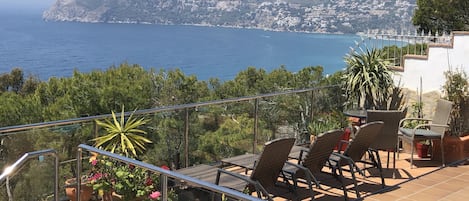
(426, 181)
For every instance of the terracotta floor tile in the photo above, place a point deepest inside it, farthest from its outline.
(455, 197)
(437, 193)
(462, 193)
(401, 192)
(406, 199)
(463, 177)
(424, 196)
(450, 171)
(424, 181)
(413, 186)
(452, 185)
(436, 176)
(385, 197)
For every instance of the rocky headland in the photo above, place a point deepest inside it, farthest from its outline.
(320, 16)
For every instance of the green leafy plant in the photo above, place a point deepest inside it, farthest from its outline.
(456, 89)
(425, 142)
(123, 135)
(367, 78)
(416, 112)
(326, 122)
(126, 180)
(392, 100)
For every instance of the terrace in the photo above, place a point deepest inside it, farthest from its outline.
(188, 135)
(70, 133)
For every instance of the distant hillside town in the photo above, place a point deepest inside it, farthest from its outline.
(320, 16)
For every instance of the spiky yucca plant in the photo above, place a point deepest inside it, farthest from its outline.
(123, 136)
(367, 78)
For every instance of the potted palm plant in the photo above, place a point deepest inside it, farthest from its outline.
(367, 78)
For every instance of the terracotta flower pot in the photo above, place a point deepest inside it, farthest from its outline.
(107, 196)
(345, 137)
(422, 150)
(456, 148)
(312, 138)
(85, 191)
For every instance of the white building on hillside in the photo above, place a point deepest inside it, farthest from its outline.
(430, 68)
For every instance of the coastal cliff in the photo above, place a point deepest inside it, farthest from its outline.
(321, 16)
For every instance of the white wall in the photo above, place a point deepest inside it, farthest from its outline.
(439, 60)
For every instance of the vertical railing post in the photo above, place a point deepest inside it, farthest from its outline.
(382, 39)
(401, 50)
(186, 139)
(311, 109)
(408, 45)
(388, 38)
(256, 122)
(79, 167)
(422, 41)
(56, 182)
(164, 187)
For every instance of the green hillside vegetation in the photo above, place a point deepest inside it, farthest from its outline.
(215, 132)
(439, 16)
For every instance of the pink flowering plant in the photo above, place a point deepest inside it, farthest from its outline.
(124, 137)
(101, 177)
(125, 180)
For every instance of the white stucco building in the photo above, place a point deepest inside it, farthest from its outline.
(431, 67)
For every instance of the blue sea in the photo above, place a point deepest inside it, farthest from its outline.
(47, 49)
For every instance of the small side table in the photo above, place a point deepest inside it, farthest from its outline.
(360, 114)
(246, 161)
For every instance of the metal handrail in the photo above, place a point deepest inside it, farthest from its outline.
(7, 130)
(12, 130)
(22, 160)
(164, 174)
